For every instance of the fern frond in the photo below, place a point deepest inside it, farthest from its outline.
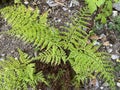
(84, 58)
(25, 24)
(75, 36)
(31, 29)
(85, 62)
(19, 74)
(54, 56)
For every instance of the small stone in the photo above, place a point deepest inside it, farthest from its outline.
(26, 2)
(117, 6)
(2, 55)
(118, 84)
(101, 88)
(114, 56)
(74, 2)
(104, 39)
(114, 13)
(96, 43)
(1, 36)
(16, 58)
(5, 28)
(105, 84)
(102, 36)
(65, 9)
(59, 20)
(69, 11)
(111, 45)
(52, 3)
(12, 51)
(109, 50)
(85, 29)
(1, 59)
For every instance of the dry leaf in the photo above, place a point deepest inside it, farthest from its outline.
(94, 37)
(94, 82)
(106, 43)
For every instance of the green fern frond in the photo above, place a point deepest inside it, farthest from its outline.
(75, 36)
(29, 28)
(54, 56)
(84, 58)
(19, 74)
(26, 25)
(86, 62)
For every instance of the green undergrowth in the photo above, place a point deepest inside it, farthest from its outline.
(55, 48)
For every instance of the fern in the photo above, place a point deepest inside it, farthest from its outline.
(75, 36)
(19, 74)
(84, 57)
(55, 46)
(26, 26)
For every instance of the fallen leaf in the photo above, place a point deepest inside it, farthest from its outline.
(94, 37)
(94, 82)
(106, 43)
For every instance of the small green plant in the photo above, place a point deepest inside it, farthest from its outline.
(115, 24)
(19, 74)
(103, 8)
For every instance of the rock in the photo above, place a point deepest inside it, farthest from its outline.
(52, 3)
(116, 47)
(103, 38)
(26, 2)
(101, 88)
(2, 55)
(74, 3)
(1, 59)
(114, 56)
(118, 84)
(102, 35)
(114, 13)
(105, 84)
(65, 9)
(96, 43)
(109, 50)
(116, 6)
